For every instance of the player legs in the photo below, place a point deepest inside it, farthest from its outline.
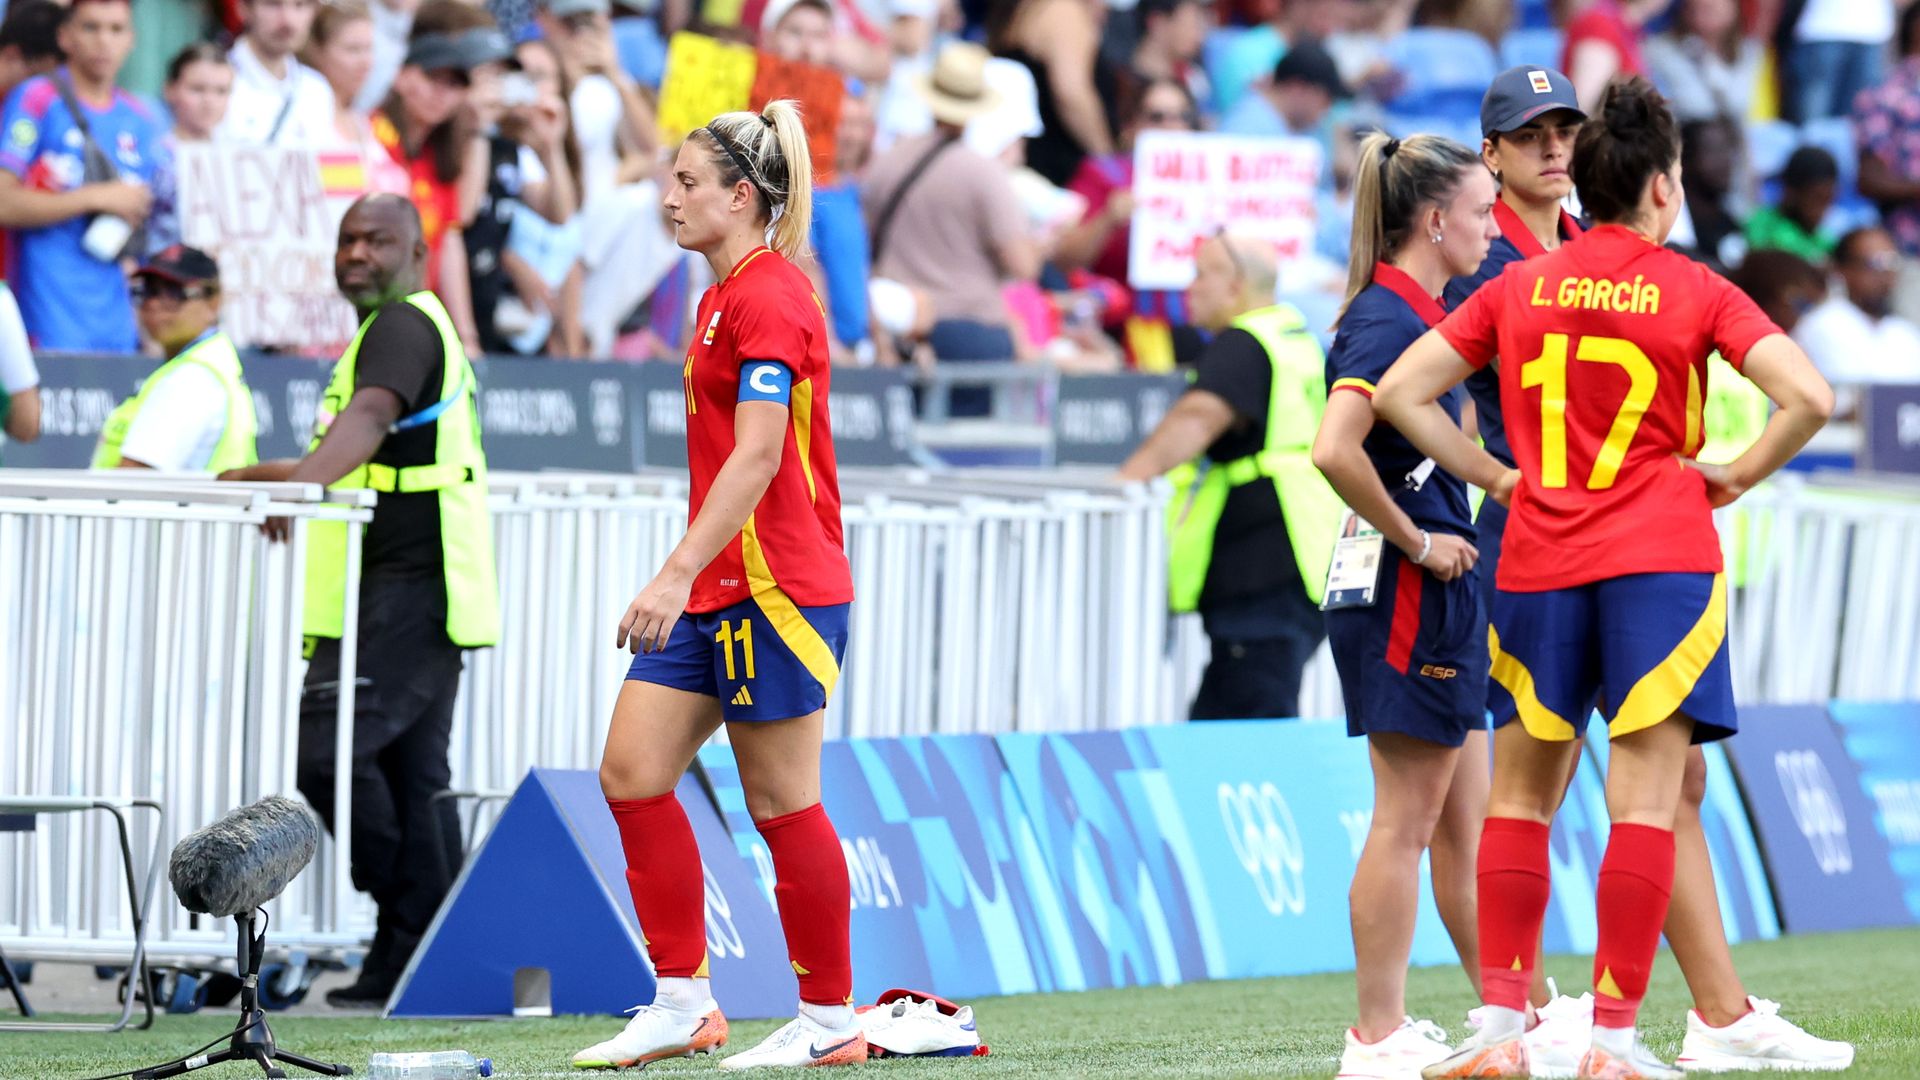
(780, 774)
(1455, 851)
(1411, 777)
(656, 731)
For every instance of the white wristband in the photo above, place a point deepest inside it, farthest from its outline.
(1426, 548)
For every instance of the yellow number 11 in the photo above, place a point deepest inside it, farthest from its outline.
(1548, 371)
(727, 635)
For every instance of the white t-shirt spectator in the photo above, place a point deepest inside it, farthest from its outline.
(17, 369)
(180, 423)
(596, 109)
(1869, 22)
(259, 101)
(390, 30)
(1852, 348)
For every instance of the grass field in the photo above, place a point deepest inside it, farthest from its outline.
(1863, 987)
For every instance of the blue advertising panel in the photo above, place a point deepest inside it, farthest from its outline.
(1274, 814)
(1828, 863)
(949, 891)
(548, 889)
(1117, 852)
(1884, 741)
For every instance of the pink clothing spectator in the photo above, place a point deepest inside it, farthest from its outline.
(1887, 122)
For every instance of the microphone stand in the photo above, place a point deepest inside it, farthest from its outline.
(252, 1040)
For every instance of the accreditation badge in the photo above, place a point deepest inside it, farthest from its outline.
(1354, 576)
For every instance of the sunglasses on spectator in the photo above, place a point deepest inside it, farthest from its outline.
(1169, 116)
(145, 289)
(1886, 260)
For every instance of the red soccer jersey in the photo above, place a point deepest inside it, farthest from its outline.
(765, 309)
(1602, 384)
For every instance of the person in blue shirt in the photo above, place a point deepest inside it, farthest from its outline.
(1412, 652)
(72, 298)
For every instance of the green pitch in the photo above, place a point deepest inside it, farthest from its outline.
(1860, 987)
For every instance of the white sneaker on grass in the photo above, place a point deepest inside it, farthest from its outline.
(1760, 1040)
(803, 1043)
(657, 1032)
(1412, 1046)
(1565, 1028)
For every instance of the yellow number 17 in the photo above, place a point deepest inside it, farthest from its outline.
(1548, 371)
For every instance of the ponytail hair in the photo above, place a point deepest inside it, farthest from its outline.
(768, 149)
(1630, 139)
(1393, 181)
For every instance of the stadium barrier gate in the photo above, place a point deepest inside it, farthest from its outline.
(152, 644)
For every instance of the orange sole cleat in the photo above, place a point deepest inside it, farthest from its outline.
(851, 1052)
(1505, 1059)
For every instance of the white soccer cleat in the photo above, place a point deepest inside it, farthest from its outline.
(1601, 1064)
(803, 1043)
(1564, 1030)
(655, 1033)
(1762, 1040)
(1413, 1046)
(1481, 1056)
(914, 1027)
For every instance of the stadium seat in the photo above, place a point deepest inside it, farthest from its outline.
(1835, 136)
(1769, 144)
(1536, 45)
(1446, 73)
(1533, 15)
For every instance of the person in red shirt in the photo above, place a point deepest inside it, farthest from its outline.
(747, 622)
(1610, 589)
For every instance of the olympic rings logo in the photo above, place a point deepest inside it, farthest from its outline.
(1815, 802)
(1265, 839)
(723, 937)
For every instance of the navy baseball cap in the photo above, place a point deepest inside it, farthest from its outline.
(181, 265)
(1521, 94)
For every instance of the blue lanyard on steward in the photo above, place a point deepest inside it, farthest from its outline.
(432, 412)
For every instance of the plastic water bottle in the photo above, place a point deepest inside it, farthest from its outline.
(430, 1065)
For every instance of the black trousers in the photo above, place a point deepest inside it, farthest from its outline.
(1258, 657)
(406, 848)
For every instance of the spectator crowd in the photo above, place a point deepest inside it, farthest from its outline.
(981, 199)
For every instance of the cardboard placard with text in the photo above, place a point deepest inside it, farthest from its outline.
(819, 90)
(705, 77)
(1188, 186)
(262, 212)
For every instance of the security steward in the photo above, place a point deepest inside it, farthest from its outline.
(1251, 522)
(194, 413)
(399, 418)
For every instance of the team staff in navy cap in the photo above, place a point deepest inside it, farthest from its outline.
(1529, 120)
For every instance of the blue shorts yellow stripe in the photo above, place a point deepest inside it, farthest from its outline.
(765, 658)
(1415, 663)
(1640, 648)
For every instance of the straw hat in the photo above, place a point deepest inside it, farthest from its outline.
(956, 90)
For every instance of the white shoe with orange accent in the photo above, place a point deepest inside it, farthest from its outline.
(656, 1033)
(1564, 1030)
(1412, 1046)
(803, 1043)
(1480, 1057)
(1600, 1064)
(1760, 1040)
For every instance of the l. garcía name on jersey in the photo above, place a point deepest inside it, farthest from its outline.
(1636, 297)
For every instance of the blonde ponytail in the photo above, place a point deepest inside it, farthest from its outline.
(1394, 180)
(768, 149)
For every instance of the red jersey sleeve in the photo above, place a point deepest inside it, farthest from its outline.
(1473, 328)
(1734, 321)
(766, 327)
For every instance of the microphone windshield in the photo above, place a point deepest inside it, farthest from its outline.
(244, 859)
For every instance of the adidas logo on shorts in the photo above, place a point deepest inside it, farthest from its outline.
(743, 698)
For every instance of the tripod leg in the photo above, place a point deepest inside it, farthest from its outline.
(177, 1068)
(264, 1058)
(311, 1065)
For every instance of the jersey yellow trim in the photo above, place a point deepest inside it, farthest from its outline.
(800, 408)
(805, 642)
(751, 255)
(1660, 692)
(1361, 385)
(1696, 412)
(1541, 722)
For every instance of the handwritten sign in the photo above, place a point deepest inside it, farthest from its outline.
(262, 212)
(704, 78)
(819, 90)
(1187, 187)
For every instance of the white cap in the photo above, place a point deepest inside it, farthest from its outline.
(1016, 117)
(914, 9)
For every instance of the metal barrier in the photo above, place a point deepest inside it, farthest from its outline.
(151, 644)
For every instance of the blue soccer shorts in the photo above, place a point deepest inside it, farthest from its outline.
(765, 658)
(1415, 662)
(1640, 648)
